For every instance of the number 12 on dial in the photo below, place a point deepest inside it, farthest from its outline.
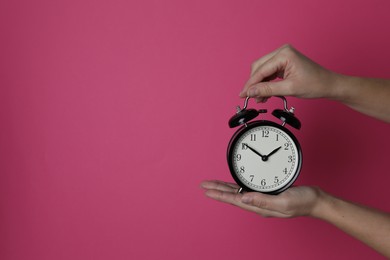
(264, 156)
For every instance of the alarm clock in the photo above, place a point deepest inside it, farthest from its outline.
(264, 156)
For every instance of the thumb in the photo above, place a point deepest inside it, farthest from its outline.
(269, 89)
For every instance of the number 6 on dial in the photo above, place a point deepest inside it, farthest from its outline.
(262, 155)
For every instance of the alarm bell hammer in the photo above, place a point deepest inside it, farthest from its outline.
(245, 115)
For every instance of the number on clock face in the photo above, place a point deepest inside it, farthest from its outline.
(265, 158)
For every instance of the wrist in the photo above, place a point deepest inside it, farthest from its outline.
(338, 87)
(345, 88)
(322, 206)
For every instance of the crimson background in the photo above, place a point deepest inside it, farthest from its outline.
(112, 112)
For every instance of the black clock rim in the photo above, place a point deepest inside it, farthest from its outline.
(246, 128)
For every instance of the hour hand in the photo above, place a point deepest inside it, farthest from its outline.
(274, 151)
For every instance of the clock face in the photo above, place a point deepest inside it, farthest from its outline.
(264, 156)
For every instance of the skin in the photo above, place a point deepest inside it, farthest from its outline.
(301, 77)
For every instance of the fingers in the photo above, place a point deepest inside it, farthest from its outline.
(226, 197)
(267, 68)
(262, 204)
(294, 202)
(220, 186)
(263, 201)
(264, 90)
(222, 191)
(262, 60)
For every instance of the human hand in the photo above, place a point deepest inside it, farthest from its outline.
(294, 202)
(299, 76)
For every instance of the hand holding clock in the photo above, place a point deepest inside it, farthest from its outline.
(294, 202)
(369, 225)
(301, 77)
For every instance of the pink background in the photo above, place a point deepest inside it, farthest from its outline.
(112, 112)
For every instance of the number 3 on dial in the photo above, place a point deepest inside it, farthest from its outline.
(265, 157)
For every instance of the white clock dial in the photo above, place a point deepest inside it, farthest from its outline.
(265, 158)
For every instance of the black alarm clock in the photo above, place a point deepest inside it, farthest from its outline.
(264, 156)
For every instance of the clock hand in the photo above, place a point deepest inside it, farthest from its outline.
(263, 157)
(274, 151)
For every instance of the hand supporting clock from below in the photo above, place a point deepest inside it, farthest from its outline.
(294, 202)
(303, 78)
